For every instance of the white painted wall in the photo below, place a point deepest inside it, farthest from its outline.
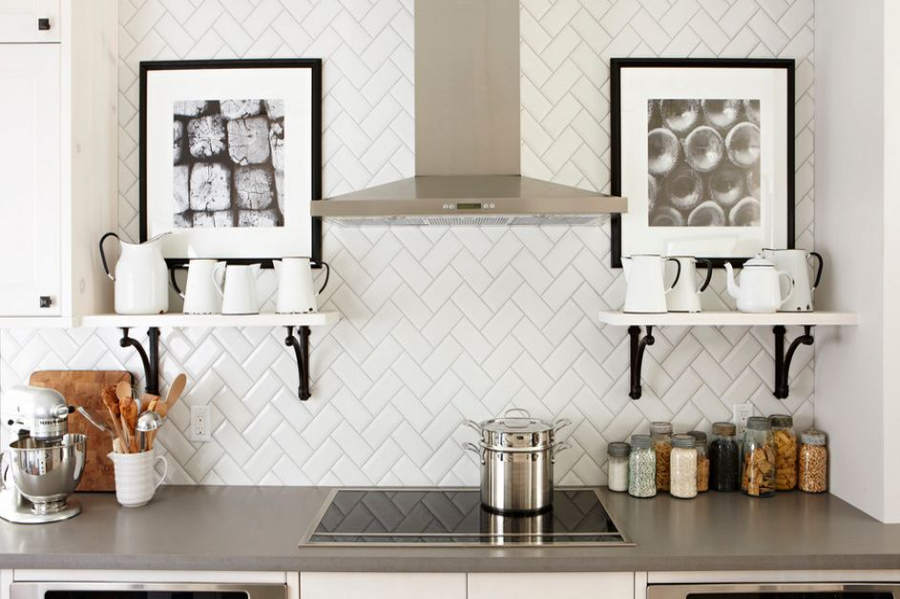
(855, 222)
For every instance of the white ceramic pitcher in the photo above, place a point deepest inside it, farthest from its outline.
(646, 290)
(236, 283)
(796, 264)
(685, 295)
(200, 295)
(141, 276)
(296, 291)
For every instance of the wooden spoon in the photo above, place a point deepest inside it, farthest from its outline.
(175, 390)
(108, 395)
(123, 390)
(129, 410)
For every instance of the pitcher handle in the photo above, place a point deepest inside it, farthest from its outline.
(165, 470)
(327, 275)
(790, 279)
(174, 283)
(215, 278)
(677, 273)
(709, 273)
(821, 260)
(103, 255)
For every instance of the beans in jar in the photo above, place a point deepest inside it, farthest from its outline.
(724, 458)
(813, 462)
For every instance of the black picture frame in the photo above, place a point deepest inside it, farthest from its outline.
(616, 66)
(315, 66)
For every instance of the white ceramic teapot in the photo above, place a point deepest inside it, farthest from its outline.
(646, 288)
(760, 289)
(141, 276)
(296, 293)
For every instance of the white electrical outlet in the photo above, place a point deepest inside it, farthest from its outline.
(741, 412)
(201, 425)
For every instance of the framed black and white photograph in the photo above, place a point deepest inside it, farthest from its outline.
(704, 151)
(231, 158)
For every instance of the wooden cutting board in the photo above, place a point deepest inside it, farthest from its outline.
(82, 388)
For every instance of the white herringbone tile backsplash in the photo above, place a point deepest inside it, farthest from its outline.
(441, 324)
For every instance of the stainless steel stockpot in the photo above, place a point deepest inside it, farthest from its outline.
(517, 454)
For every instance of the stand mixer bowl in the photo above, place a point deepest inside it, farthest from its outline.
(46, 472)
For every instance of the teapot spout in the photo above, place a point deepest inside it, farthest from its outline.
(733, 289)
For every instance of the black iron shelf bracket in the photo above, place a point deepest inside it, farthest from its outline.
(638, 346)
(301, 350)
(150, 359)
(783, 360)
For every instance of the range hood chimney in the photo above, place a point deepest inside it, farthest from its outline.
(468, 134)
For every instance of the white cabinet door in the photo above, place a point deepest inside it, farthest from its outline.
(599, 585)
(29, 179)
(24, 20)
(357, 585)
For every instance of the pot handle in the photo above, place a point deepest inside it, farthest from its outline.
(558, 447)
(327, 276)
(821, 260)
(561, 424)
(474, 449)
(103, 255)
(472, 425)
(521, 411)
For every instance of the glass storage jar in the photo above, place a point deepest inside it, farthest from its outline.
(785, 452)
(661, 433)
(702, 461)
(683, 467)
(617, 466)
(813, 462)
(642, 467)
(758, 477)
(724, 458)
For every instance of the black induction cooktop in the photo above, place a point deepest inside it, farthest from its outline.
(455, 517)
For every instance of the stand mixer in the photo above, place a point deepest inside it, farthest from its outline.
(46, 461)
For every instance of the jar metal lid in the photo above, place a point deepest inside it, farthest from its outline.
(725, 429)
(699, 436)
(759, 423)
(684, 441)
(641, 441)
(618, 449)
(781, 420)
(661, 428)
(812, 437)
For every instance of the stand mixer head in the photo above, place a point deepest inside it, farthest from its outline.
(46, 461)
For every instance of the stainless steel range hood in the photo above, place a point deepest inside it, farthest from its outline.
(468, 134)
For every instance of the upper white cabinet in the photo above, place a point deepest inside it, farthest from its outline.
(30, 20)
(30, 175)
(584, 585)
(58, 159)
(358, 585)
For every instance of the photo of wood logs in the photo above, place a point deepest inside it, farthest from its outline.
(229, 163)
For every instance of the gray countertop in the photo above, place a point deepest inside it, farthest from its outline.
(243, 528)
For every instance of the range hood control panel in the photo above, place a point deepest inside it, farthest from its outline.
(469, 206)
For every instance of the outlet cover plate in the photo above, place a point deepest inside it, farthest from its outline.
(741, 412)
(201, 425)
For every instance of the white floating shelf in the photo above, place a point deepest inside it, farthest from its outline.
(211, 320)
(724, 319)
(42, 322)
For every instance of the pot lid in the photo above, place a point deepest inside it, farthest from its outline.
(517, 420)
(758, 261)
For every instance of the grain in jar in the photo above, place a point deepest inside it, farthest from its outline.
(813, 462)
(758, 477)
(683, 467)
(702, 461)
(724, 458)
(786, 447)
(661, 433)
(642, 467)
(617, 466)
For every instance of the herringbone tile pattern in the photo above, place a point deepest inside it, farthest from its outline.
(441, 324)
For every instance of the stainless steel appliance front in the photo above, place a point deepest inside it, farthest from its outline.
(130, 590)
(774, 591)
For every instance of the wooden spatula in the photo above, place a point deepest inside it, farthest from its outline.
(175, 391)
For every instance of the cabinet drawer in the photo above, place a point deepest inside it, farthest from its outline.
(600, 585)
(332, 585)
